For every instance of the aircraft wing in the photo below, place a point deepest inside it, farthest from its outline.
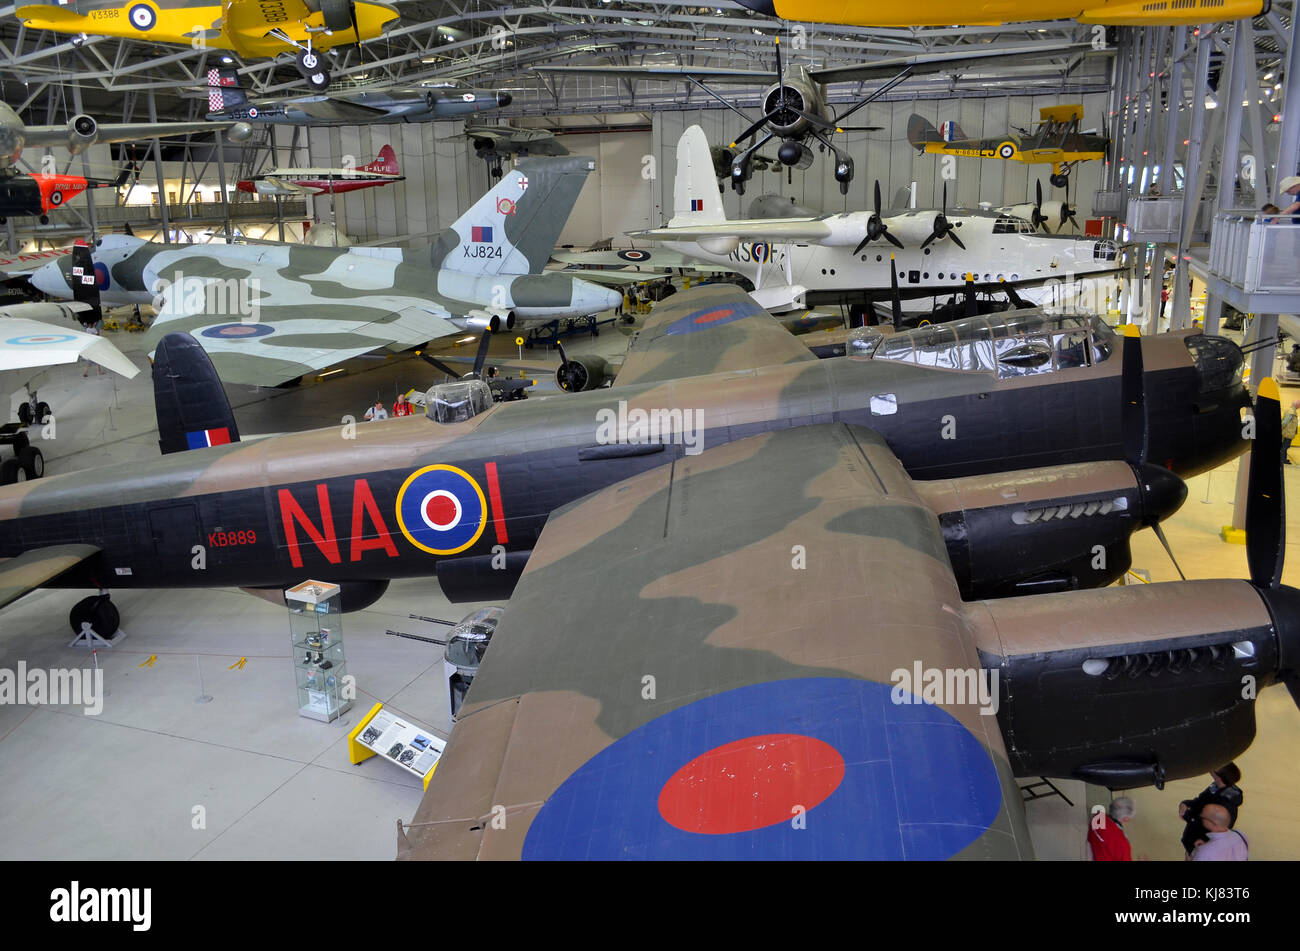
(708, 329)
(955, 59)
(337, 110)
(628, 257)
(26, 343)
(34, 568)
(761, 229)
(611, 278)
(717, 74)
(291, 188)
(666, 683)
(43, 135)
(290, 324)
(23, 264)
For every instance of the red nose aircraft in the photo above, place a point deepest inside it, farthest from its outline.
(42, 192)
(296, 182)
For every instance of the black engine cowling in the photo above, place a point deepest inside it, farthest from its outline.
(583, 373)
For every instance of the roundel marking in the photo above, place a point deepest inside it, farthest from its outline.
(775, 772)
(707, 317)
(56, 197)
(441, 510)
(760, 252)
(238, 331)
(725, 776)
(101, 275)
(38, 340)
(468, 96)
(252, 112)
(142, 17)
(633, 254)
(1006, 150)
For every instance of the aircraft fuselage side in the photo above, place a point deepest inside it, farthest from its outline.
(404, 497)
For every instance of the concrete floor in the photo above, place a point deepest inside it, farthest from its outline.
(160, 775)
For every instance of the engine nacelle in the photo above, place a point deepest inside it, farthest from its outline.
(795, 154)
(587, 372)
(846, 230)
(493, 320)
(240, 132)
(719, 245)
(477, 578)
(82, 133)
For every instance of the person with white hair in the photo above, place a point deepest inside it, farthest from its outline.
(1107, 840)
(1290, 187)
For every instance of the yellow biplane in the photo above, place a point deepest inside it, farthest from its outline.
(250, 28)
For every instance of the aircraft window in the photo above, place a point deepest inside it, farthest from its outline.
(863, 341)
(1072, 349)
(1103, 341)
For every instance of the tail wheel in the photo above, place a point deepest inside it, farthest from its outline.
(32, 461)
(11, 471)
(1058, 181)
(97, 611)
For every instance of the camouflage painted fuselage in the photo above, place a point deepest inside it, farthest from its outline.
(375, 503)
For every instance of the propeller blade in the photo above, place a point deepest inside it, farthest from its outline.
(1016, 300)
(1133, 421)
(926, 243)
(892, 240)
(877, 198)
(955, 240)
(753, 128)
(1160, 534)
(895, 301)
(864, 242)
(1265, 528)
(480, 358)
(1038, 194)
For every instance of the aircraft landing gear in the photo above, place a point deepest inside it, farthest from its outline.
(33, 411)
(97, 611)
(310, 68)
(44, 219)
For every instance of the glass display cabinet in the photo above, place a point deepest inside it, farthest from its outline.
(316, 636)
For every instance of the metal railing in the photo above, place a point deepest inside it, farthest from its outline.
(1160, 220)
(1258, 255)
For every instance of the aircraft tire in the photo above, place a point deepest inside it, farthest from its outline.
(32, 461)
(1058, 181)
(99, 611)
(42, 413)
(25, 414)
(45, 219)
(11, 471)
(19, 443)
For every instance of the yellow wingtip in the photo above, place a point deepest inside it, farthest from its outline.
(1268, 389)
(1131, 330)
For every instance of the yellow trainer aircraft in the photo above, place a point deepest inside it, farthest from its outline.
(251, 28)
(1055, 141)
(981, 12)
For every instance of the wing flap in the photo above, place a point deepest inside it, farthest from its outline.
(661, 627)
(710, 329)
(31, 569)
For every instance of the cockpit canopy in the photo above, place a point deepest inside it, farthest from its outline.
(1012, 343)
(1010, 224)
(457, 402)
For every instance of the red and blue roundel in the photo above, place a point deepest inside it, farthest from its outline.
(101, 275)
(39, 340)
(707, 317)
(811, 768)
(441, 510)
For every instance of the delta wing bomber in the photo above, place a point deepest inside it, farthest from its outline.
(269, 314)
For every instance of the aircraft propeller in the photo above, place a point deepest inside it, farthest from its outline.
(942, 226)
(876, 227)
(1036, 217)
(484, 342)
(896, 302)
(1136, 431)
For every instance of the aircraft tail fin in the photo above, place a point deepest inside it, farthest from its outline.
(921, 130)
(224, 90)
(696, 199)
(515, 226)
(386, 164)
(189, 400)
(85, 284)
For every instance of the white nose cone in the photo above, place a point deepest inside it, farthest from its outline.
(49, 279)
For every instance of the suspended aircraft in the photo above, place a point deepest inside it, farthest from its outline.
(296, 182)
(1056, 141)
(979, 12)
(249, 28)
(496, 143)
(794, 105)
(40, 193)
(229, 102)
(830, 258)
(269, 314)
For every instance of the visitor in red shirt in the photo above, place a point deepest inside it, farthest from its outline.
(1106, 838)
(402, 407)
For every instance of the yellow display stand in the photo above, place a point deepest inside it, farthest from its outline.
(356, 752)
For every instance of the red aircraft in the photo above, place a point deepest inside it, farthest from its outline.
(296, 182)
(41, 192)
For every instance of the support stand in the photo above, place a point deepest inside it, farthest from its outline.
(92, 639)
